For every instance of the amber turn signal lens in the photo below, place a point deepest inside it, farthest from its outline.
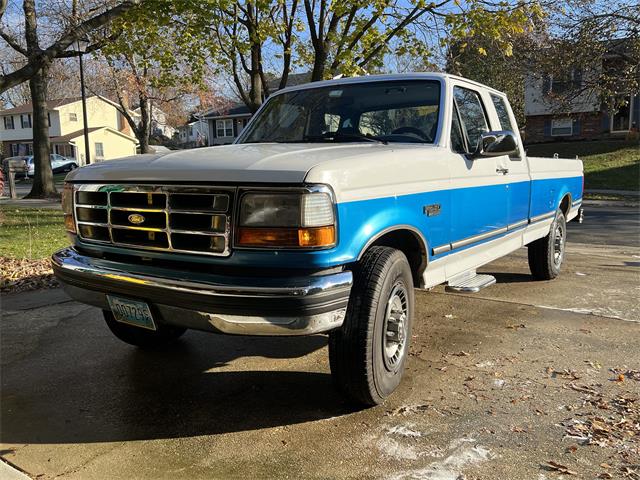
(69, 224)
(287, 237)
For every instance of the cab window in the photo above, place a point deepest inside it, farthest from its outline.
(457, 139)
(472, 116)
(503, 113)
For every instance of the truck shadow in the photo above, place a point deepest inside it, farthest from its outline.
(510, 277)
(119, 393)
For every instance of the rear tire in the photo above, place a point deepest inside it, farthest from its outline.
(367, 354)
(140, 337)
(547, 254)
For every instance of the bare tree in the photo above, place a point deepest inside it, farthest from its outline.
(37, 62)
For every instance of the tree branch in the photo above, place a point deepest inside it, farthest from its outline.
(40, 58)
(13, 43)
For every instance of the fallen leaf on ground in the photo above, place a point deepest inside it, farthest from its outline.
(624, 372)
(551, 465)
(517, 326)
(461, 353)
(21, 275)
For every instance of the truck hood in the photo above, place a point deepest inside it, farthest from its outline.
(241, 163)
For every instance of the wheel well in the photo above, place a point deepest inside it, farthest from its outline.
(412, 245)
(565, 204)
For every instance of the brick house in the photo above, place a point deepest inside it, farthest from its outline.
(550, 117)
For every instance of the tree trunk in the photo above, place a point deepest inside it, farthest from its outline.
(319, 64)
(255, 89)
(43, 185)
(143, 132)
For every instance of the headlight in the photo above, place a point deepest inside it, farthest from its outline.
(67, 208)
(286, 220)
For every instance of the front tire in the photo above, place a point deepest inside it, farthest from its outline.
(162, 337)
(368, 354)
(547, 254)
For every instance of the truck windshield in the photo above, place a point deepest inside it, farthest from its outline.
(391, 111)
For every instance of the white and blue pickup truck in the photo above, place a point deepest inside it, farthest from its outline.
(335, 202)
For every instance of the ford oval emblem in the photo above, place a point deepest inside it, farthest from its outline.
(136, 218)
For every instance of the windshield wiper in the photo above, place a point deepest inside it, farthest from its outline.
(337, 136)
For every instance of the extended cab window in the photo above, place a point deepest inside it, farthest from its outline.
(503, 113)
(404, 111)
(473, 120)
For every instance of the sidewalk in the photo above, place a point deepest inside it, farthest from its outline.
(23, 188)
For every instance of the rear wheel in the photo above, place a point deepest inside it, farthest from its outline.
(547, 254)
(141, 337)
(368, 354)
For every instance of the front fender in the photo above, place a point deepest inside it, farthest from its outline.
(362, 222)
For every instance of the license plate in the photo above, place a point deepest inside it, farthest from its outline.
(132, 312)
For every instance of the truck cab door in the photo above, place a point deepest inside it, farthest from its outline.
(516, 169)
(478, 186)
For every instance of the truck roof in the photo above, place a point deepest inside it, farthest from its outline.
(387, 77)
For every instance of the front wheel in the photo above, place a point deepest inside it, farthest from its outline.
(547, 254)
(368, 354)
(140, 337)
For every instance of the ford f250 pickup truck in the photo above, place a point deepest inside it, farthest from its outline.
(335, 202)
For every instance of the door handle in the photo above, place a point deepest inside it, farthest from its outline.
(503, 171)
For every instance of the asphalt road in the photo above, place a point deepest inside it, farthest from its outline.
(607, 225)
(493, 384)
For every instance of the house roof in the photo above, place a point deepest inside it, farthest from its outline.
(232, 110)
(70, 136)
(28, 107)
(53, 104)
(293, 79)
(78, 133)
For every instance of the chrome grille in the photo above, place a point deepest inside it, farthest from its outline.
(186, 219)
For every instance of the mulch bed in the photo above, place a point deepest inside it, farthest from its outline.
(21, 275)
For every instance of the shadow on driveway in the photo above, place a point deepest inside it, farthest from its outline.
(81, 386)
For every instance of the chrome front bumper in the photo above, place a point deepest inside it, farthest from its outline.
(236, 305)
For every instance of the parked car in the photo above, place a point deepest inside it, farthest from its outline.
(336, 201)
(59, 164)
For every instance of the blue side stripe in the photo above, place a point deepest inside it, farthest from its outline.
(480, 209)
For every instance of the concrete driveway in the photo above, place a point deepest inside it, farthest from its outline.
(508, 384)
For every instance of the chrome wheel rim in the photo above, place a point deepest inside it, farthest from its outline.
(558, 245)
(395, 340)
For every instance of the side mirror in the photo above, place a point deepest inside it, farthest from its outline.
(496, 144)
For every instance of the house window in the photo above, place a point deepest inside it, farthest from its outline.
(561, 84)
(25, 120)
(561, 127)
(8, 123)
(21, 149)
(190, 130)
(73, 117)
(224, 128)
(99, 150)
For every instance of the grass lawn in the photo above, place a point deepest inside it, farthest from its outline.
(31, 233)
(608, 164)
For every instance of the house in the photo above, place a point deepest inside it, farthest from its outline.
(159, 125)
(109, 133)
(570, 108)
(225, 124)
(195, 133)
